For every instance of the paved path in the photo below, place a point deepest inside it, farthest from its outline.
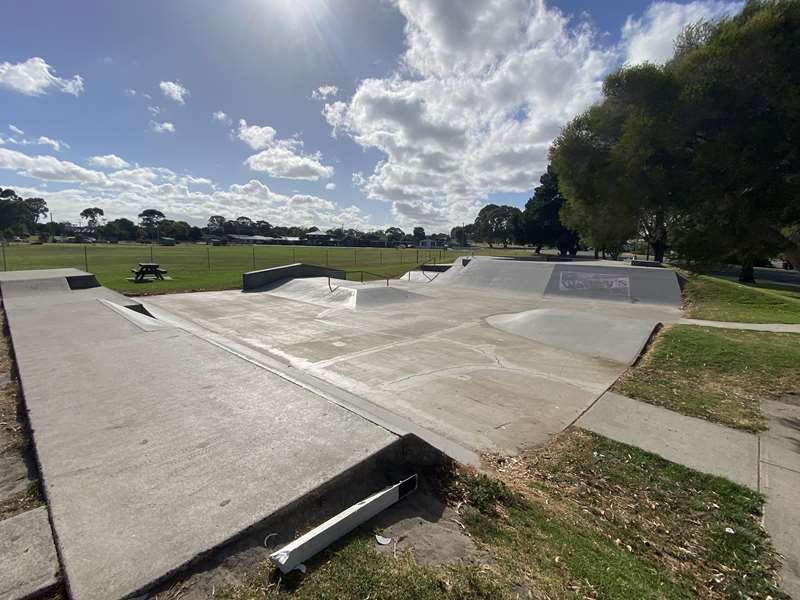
(773, 327)
(769, 463)
(696, 443)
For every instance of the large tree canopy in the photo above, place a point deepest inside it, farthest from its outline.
(702, 154)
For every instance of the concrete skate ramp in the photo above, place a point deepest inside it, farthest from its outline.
(621, 283)
(598, 280)
(342, 294)
(599, 336)
(156, 446)
(500, 275)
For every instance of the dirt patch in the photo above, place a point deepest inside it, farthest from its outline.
(432, 531)
(19, 490)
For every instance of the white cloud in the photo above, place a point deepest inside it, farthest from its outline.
(47, 168)
(109, 161)
(283, 162)
(42, 140)
(255, 136)
(130, 92)
(125, 192)
(174, 90)
(35, 77)
(481, 91)
(154, 110)
(330, 186)
(165, 127)
(324, 92)
(281, 157)
(221, 117)
(651, 38)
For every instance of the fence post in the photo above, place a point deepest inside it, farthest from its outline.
(85, 259)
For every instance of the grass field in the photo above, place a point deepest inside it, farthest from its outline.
(716, 374)
(584, 517)
(196, 267)
(717, 299)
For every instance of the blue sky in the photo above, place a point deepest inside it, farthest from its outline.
(314, 112)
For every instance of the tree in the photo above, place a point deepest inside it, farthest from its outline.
(244, 225)
(419, 234)
(149, 220)
(541, 220)
(119, 229)
(741, 100)
(499, 224)
(34, 209)
(92, 216)
(216, 223)
(394, 234)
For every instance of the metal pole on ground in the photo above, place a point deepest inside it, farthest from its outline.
(151, 252)
(85, 259)
(293, 258)
(5, 266)
(254, 257)
(208, 253)
(355, 257)
(326, 258)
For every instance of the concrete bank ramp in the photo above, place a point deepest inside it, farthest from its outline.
(612, 338)
(156, 446)
(343, 294)
(585, 280)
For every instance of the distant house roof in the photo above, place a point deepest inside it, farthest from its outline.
(317, 234)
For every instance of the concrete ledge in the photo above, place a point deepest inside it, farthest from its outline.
(257, 279)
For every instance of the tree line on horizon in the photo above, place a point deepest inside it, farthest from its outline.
(26, 216)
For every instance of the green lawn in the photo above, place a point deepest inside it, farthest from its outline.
(200, 267)
(585, 517)
(718, 299)
(716, 374)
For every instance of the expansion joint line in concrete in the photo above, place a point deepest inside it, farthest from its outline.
(457, 452)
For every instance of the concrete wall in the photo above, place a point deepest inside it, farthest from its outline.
(257, 279)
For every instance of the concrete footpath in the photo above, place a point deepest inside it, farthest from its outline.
(156, 446)
(769, 463)
(772, 327)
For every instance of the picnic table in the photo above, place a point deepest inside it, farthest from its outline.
(148, 270)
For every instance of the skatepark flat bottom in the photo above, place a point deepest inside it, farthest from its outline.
(438, 359)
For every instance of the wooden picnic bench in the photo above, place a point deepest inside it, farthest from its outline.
(147, 271)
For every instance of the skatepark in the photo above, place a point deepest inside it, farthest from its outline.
(167, 427)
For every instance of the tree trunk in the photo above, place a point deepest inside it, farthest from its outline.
(659, 248)
(747, 274)
(538, 249)
(596, 253)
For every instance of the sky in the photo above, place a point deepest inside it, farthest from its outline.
(327, 113)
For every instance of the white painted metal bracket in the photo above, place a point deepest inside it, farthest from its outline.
(322, 536)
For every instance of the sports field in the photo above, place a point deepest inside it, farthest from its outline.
(199, 267)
